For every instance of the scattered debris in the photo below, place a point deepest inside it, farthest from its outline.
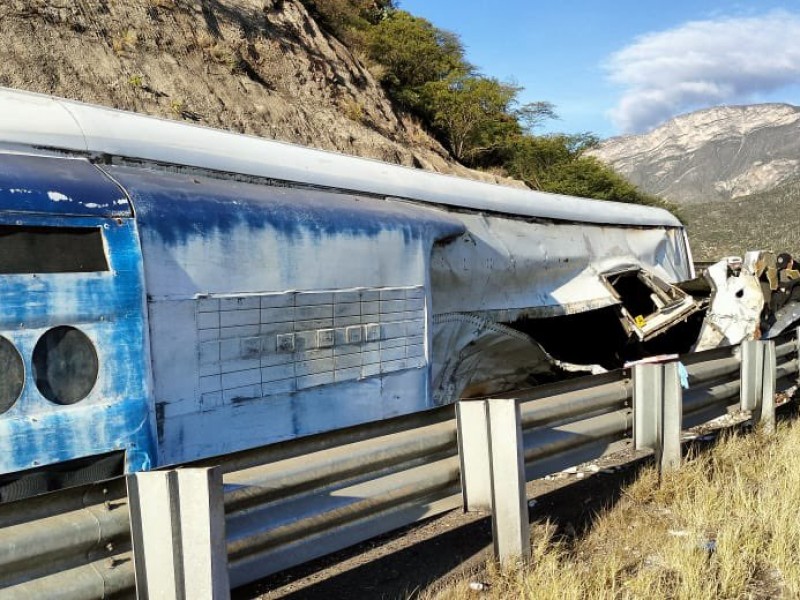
(708, 545)
(477, 586)
(678, 532)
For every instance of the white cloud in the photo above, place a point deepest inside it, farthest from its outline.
(704, 63)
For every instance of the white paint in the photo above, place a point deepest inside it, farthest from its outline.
(30, 120)
(735, 309)
(244, 355)
(58, 197)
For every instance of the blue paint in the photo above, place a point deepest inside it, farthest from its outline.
(178, 207)
(109, 308)
(57, 186)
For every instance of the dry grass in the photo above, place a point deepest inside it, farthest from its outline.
(726, 526)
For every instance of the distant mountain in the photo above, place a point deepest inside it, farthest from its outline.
(716, 154)
(762, 221)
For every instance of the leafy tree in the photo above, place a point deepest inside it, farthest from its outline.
(533, 114)
(349, 20)
(471, 112)
(529, 158)
(478, 118)
(589, 178)
(414, 53)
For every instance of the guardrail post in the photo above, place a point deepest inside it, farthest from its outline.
(751, 374)
(473, 452)
(510, 524)
(758, 381)
(178, 533)
(493, 469)
(658, 412)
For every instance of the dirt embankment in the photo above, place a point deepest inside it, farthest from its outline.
(261, 67)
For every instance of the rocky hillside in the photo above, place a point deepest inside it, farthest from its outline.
(261, 67)
(717, 154)
(763, 221)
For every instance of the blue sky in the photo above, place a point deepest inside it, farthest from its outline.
(624, 66)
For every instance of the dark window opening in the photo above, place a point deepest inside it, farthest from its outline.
(12, 375)
(592, 337)
(633, 293)
(643, 294)
(51, 250)
(65, 365)
(597, 337)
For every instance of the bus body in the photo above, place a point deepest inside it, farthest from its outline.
(171, 292)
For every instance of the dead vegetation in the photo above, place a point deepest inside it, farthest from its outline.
(725, 526)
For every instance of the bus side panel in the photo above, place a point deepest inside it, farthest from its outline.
(278, 312)
(106, 306)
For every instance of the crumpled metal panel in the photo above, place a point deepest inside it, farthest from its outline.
(475, 357)
(735, 308)
(543, 269)
(502, 270)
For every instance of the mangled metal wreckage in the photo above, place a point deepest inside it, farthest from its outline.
(171, 292)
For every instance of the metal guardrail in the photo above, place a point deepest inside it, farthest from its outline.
(714, 385)
(71, 544)
(366, 481)
(281, 513)
(574, 421)
(714, 379)
(290, 502)
(787, 352)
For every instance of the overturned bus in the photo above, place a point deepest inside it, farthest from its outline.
(171, 292)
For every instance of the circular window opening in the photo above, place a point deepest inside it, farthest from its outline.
(12, 375)
(65, 365)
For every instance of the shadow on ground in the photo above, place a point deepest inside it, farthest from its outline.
(442, 545)
(401, 564)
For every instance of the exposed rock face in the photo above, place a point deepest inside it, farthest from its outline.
(715, 154)
(262, 67)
